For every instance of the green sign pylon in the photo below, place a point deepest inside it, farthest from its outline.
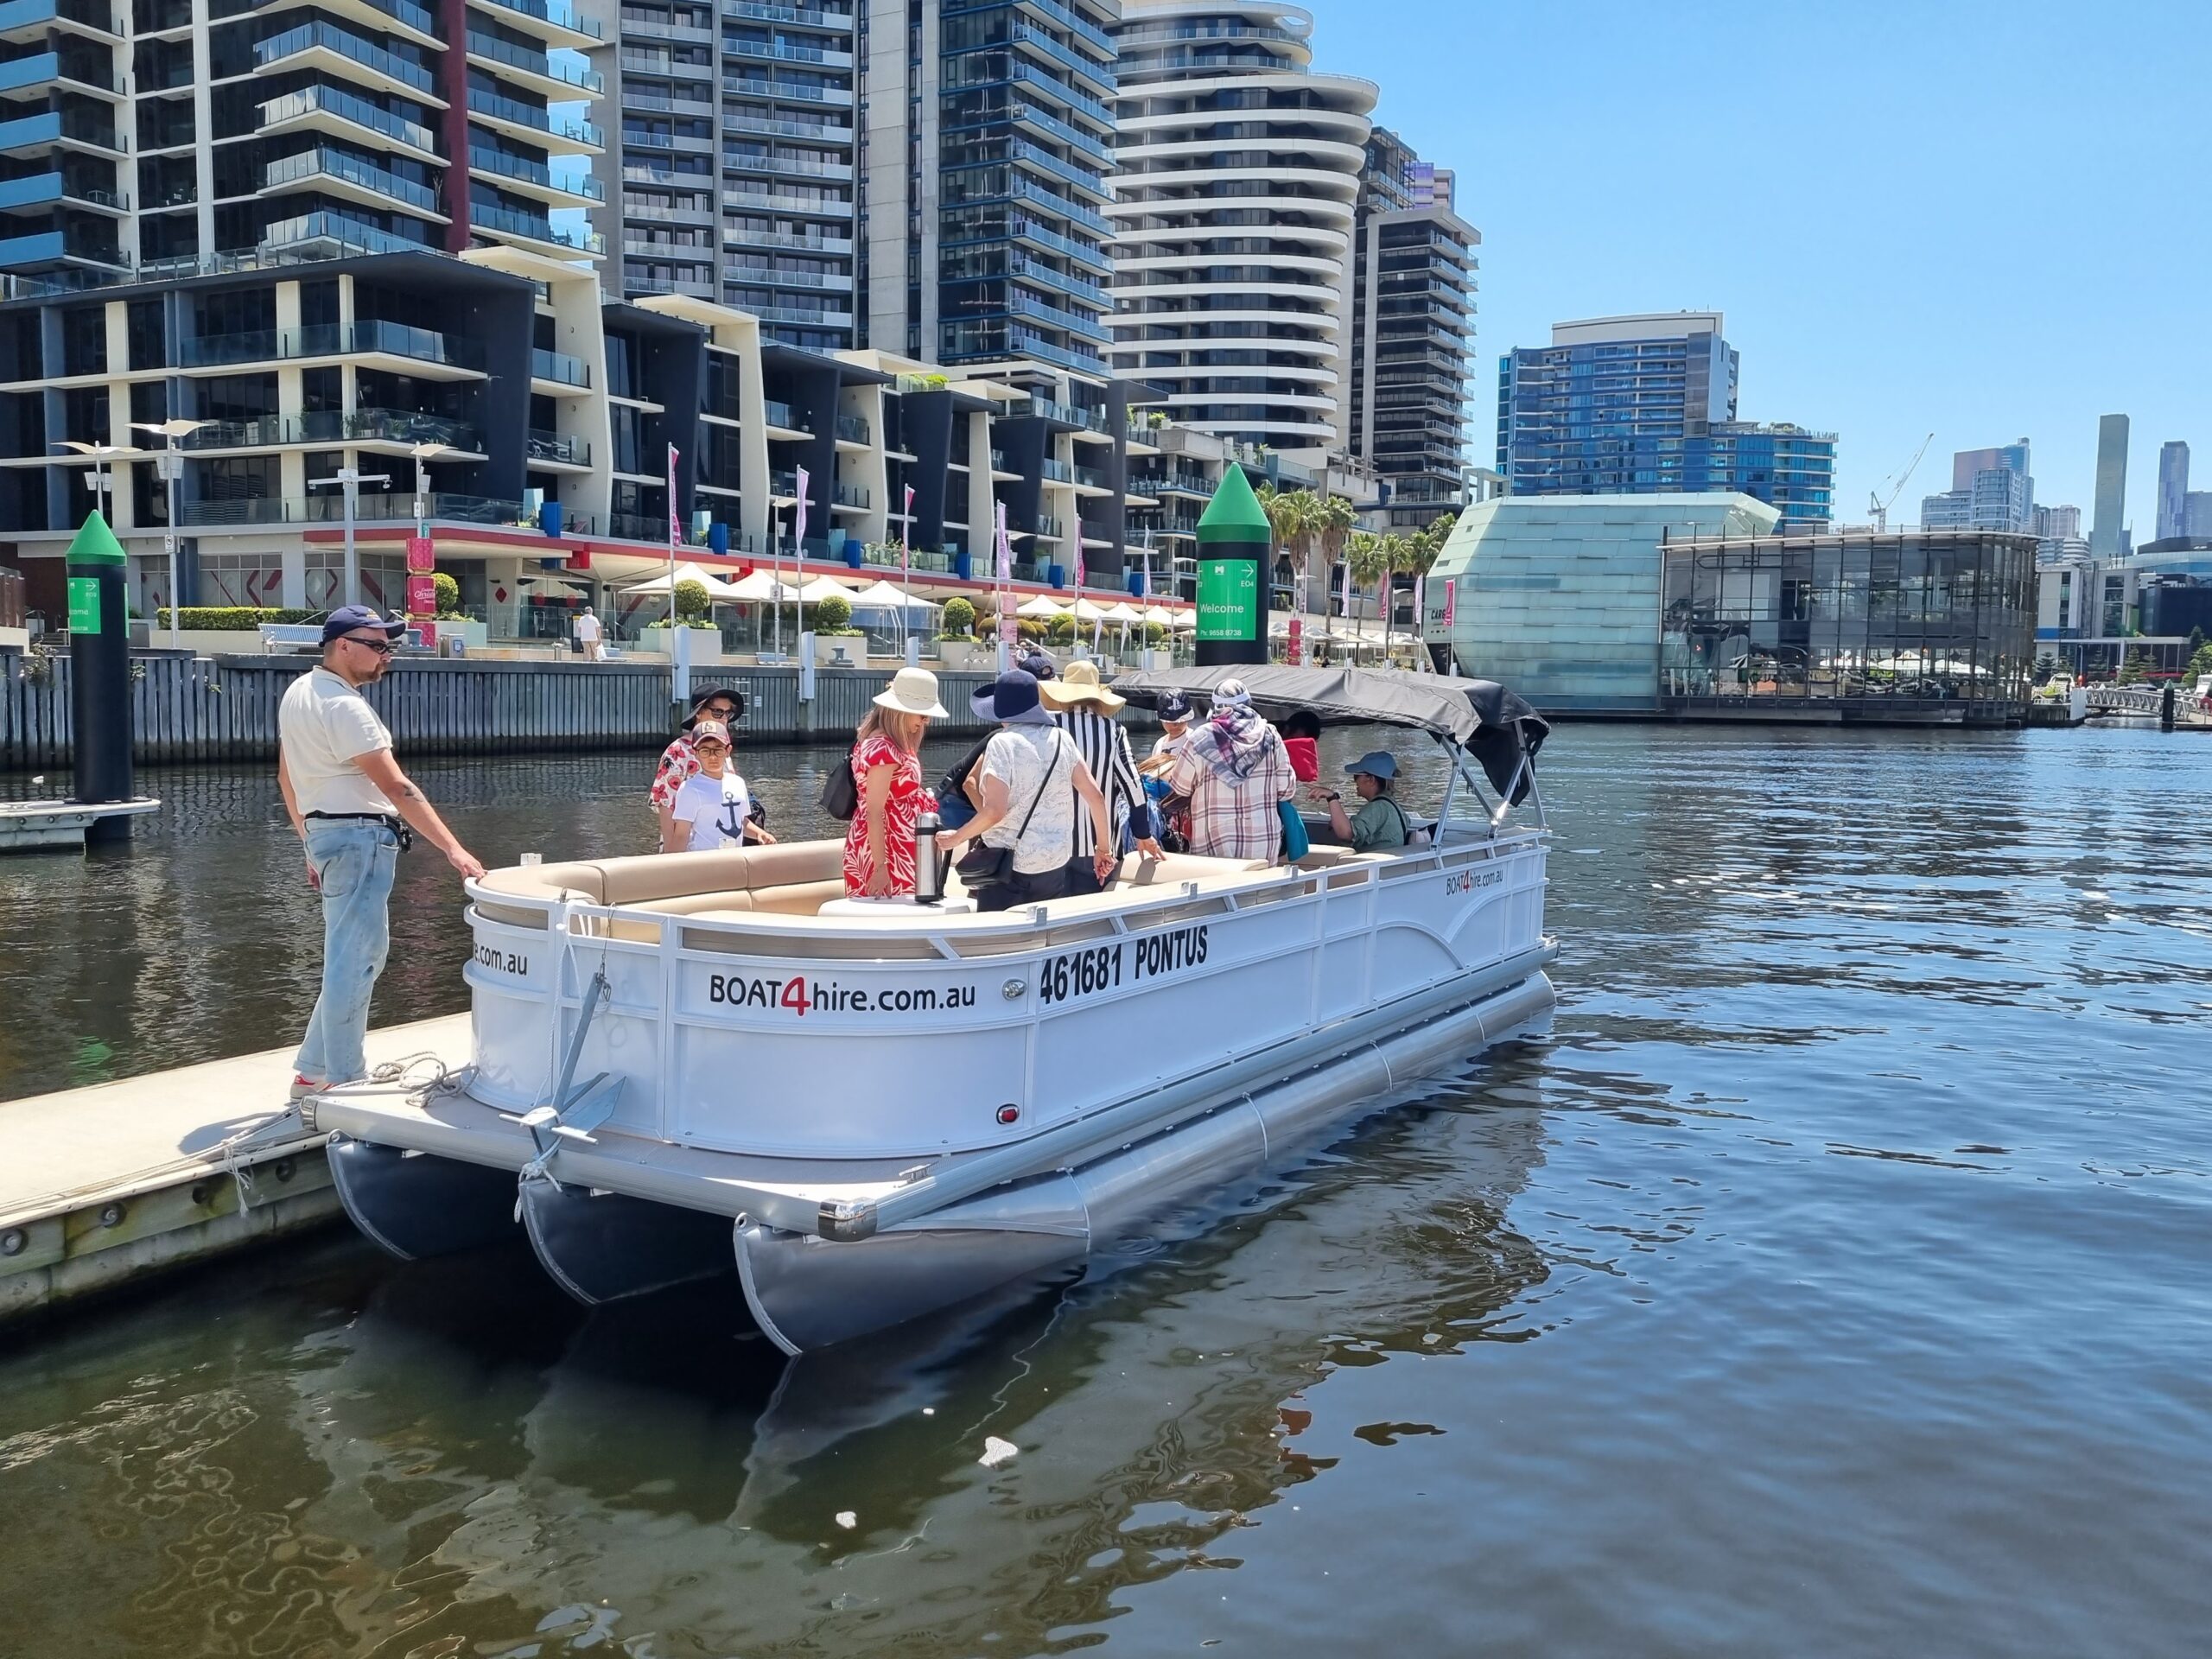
(1235, 513)
(95, 543)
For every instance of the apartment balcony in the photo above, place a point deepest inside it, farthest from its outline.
(333, 235)
(1023, 189)
(1022, 152)
(1023, 113)
(349, 178)
(848, 496)
(1022, 229)
(371, 337)
(770, 127)
(827, 247)
(537, 71)
(817, 57)
(777, 167)
(559, 369)
(54, 188)
(803, 317)
(802, 17)
(1076, 322)
(552, 449)
(768, 201)
(634, 286)
(1059, 282)
(1048, 85)
(364, 426)
(560, 135)
(787, 91)
(537, 232)
(1057, 471)
(330, 507)
(74, 129)
(73, 245)
(637, 28)
(28, 20)
(555, 22)
(789, 424)
(342, 115)
(519, 173)
(325, 46)
(82, 69)
(851, 429)
(770, 276)
(1098, 76)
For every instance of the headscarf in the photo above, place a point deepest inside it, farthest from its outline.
(1234, 742)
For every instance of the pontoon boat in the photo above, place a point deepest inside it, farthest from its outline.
(883, 1109)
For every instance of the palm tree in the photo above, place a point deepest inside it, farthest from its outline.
(1422, 548)
(1290, 517)
(1334, 516)
(1368, 558)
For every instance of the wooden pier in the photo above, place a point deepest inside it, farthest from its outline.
(107, 1185)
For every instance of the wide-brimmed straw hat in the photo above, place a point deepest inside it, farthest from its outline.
(912, 691)
(1080, 683)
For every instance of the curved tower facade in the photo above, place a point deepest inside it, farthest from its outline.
(1237, 178)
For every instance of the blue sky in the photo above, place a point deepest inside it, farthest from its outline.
(1987, 221)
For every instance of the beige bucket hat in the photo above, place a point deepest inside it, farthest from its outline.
(912, 691)
(1079, 682)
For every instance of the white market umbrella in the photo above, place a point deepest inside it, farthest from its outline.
(883, 596)
(820, 589)
(1086, 611)
(717, 589)
(759, 588)
(1041, 606)
(1123, 613)
(1161, 615)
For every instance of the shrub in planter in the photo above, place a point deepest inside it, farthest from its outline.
(1155, 635)
(1061, 630)
(959, 619)
(691, 602)
(834, 617)
(448, 597)
(1030, 627)
(230, 619)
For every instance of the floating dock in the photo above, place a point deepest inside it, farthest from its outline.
(105, 1185)
(58, 826)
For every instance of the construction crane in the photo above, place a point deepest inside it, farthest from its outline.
(1879, 505)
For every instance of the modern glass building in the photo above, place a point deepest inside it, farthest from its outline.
(1922, 625)
(1559, 596)
(1646, 404)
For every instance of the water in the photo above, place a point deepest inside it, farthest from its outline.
(1826, 1280)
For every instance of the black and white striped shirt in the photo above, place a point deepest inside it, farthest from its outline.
(1105, 749)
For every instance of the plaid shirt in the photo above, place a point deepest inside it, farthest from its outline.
(1237, 818)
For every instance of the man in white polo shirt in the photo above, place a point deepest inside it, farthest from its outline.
(353, 806)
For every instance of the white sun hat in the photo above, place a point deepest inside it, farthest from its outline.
(912, 691)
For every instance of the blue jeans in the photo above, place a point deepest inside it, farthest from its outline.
(354, 862)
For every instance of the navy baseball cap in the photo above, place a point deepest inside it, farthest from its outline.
(347, 618)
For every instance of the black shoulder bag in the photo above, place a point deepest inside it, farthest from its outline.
(840, 796)
(982, 866)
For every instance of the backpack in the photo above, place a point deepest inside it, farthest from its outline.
(840, 796)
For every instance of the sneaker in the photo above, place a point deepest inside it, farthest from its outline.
(302, 1088)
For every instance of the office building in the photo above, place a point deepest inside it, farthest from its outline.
(2055, 523)
(732, 160)
(2107, 526)
(1413, 323)
(526, 417)
(2173, 490)
(1991, 489)
(161, 137)
(1646, 404)
(1559, 596)
(2196, 513)
(1237, 179)
(1787, 625)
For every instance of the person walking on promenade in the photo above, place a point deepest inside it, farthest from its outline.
(879, 845)
(1237, 773)
(355, 811)
(679, 761)
(591, 636)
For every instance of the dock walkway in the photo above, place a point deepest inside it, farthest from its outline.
(104, 1184)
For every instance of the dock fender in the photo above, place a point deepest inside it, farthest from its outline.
(810, 1293)
(604, 1247)
(415, 1203)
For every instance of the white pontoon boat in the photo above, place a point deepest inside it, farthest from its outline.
(885, 1108)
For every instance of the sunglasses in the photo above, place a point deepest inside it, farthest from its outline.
(381, 646)
(712, 745)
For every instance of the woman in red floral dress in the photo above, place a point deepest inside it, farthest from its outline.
(887, 780)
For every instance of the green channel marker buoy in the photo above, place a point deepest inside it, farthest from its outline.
(99, 672)
(1235, 548)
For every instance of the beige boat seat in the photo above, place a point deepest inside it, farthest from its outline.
(793, 879)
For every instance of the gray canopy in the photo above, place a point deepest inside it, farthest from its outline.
(1492, 724)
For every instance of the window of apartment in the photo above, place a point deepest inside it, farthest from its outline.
(84, 340)
(148, 338)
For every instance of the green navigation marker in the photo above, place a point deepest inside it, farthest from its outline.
(1236, 549)
(100, 671)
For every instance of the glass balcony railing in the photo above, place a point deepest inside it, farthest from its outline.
(785, 415)
(495, 107)
(508, 222)
(848, 495)
(1058, 471)
(329, 38)
(535, 63)
(559, 13)
(321, 233)
(808, 15)
(852, 428)
(1028, 74)
(336, 164)
(334, 426)
(551, 446)
(522, 167)
(329, 101)
(559, 367)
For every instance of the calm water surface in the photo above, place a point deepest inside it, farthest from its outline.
(1829, 1279)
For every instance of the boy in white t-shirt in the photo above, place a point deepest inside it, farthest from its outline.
(714, 808)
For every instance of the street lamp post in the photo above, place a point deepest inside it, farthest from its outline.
(349, 480)
(171, 462)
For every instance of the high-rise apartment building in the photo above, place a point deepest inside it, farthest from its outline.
(732, 160)
(989, 139)
(2196, 513)
(1647, 403)
(2062, 523)
(1991, 489)
(1238, 174)
(2106, 526)
(1413, 318)
(164, 136)
(2173, 490)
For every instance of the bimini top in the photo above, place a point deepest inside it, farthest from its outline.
(1491, 723)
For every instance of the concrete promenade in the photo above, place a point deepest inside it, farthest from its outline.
(103, 1185)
